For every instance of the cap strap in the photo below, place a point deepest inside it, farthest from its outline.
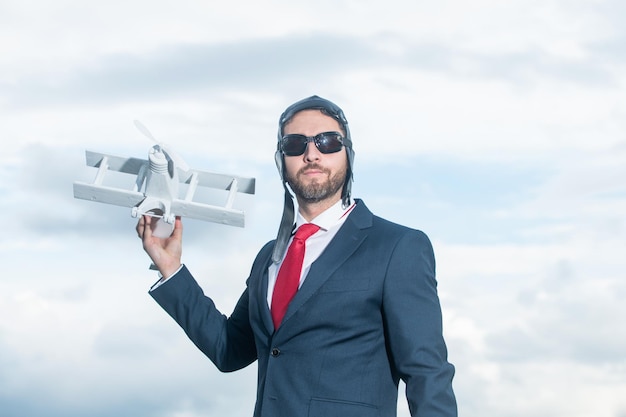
(286, 226)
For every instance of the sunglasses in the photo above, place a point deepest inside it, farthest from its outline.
(326, 142)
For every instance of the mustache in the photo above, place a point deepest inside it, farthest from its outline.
(313, 166)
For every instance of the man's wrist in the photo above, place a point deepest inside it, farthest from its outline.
(162, 278)
(167, 273)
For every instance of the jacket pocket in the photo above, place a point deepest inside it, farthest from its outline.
(322, 407)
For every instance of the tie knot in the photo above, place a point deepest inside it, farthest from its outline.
(306, 230)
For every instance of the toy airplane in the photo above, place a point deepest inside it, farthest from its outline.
(156, 189)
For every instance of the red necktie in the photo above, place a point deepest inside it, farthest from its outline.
(289, 274)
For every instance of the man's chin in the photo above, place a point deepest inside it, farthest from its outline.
(314, 190)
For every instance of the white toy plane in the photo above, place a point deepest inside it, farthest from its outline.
(156, 189)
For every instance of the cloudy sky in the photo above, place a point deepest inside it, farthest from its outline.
(498, 127)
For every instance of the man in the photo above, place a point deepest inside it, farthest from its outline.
(366, 312)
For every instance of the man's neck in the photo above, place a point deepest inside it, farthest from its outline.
(311, 210)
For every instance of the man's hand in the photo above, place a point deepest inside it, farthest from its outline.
(165, 253)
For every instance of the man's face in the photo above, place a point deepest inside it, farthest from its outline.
(314, 176)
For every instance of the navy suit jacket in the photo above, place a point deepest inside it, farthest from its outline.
(366, 316)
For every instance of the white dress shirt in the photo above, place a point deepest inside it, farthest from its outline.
(329, 222)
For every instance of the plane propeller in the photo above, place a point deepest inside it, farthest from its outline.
(178, 161)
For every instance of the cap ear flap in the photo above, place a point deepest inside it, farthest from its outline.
(279, 159)
(346, 192)
(285, 228)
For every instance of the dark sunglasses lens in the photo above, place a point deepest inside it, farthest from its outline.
(294, 145)
(329, 142)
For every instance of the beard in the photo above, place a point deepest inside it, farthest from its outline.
(316, 191)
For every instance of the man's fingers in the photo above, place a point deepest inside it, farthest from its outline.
(143, 227)
(140, 226)
(178, 228)
(147, 230)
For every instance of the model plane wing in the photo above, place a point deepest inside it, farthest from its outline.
(115, 163)
(220, 181)
(108, 195)
(208, 213)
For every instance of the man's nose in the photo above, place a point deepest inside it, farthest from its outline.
(311, 153)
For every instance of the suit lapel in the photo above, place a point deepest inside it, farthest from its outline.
(344, 244)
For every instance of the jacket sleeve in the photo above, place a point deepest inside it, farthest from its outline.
(228, 342)
(413, 326)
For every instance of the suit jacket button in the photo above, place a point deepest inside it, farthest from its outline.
(275, 352)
